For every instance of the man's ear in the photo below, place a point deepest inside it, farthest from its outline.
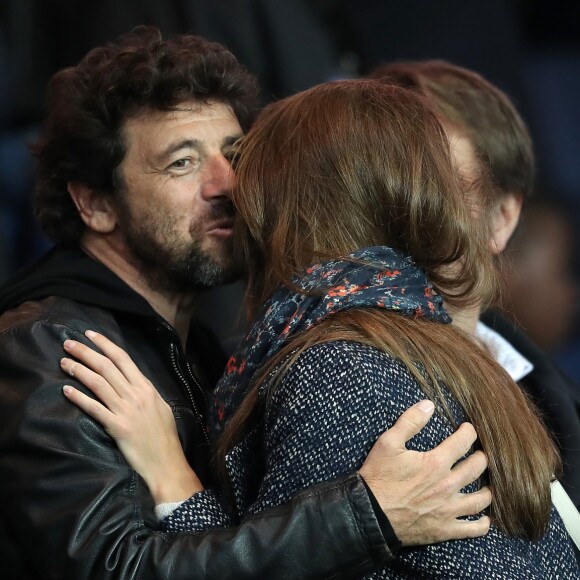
(95, 209)
(505, 216)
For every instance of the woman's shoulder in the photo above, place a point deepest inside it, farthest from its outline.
(352, 372)
(352, 361)
(348, 378)
(346, 353)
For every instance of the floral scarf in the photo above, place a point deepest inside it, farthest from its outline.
(377, 277)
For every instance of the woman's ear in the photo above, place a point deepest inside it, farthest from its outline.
(95, 209)
(505, 216)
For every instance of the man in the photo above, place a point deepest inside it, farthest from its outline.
(133, 180)
(486, 133)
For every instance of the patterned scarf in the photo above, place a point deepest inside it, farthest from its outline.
(378, 277)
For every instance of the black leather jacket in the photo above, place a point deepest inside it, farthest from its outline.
(70, 505)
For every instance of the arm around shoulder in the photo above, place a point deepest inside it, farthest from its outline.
(67, 489)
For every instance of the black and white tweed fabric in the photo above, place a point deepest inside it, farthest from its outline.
(321, 422)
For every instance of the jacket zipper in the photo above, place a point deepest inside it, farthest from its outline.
(188, 388)
(197, 383)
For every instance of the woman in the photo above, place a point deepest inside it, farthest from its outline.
(355, 233)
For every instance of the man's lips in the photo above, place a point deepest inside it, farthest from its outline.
(222, 227)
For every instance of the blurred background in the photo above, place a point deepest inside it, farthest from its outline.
(529, 48)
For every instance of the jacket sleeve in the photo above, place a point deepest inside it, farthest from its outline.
(74, 509)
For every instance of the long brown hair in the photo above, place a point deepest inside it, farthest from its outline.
(350, 164)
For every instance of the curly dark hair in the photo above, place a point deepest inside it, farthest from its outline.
(81, 138)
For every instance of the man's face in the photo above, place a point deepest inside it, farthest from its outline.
(174, 209)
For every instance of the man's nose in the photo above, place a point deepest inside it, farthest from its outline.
(219, 178)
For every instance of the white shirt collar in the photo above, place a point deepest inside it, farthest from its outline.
(514, 363)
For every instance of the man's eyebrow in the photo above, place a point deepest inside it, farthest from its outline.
(195, 144)
(232, 140)
(177, 146)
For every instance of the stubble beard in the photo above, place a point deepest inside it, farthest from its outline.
(171, 264)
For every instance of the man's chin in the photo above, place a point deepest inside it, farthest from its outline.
(211, 273)
(224, 274)
(219, 266)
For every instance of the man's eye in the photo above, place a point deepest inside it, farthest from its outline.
(181, 163)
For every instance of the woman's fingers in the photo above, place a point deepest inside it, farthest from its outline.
(91, 407)
(99, 386)
(111, 376)
(117, 356)
(96, 362)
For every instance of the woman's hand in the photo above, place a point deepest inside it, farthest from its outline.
(134, 414)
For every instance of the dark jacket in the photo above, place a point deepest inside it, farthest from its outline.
(70, 505)
(557, 398)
